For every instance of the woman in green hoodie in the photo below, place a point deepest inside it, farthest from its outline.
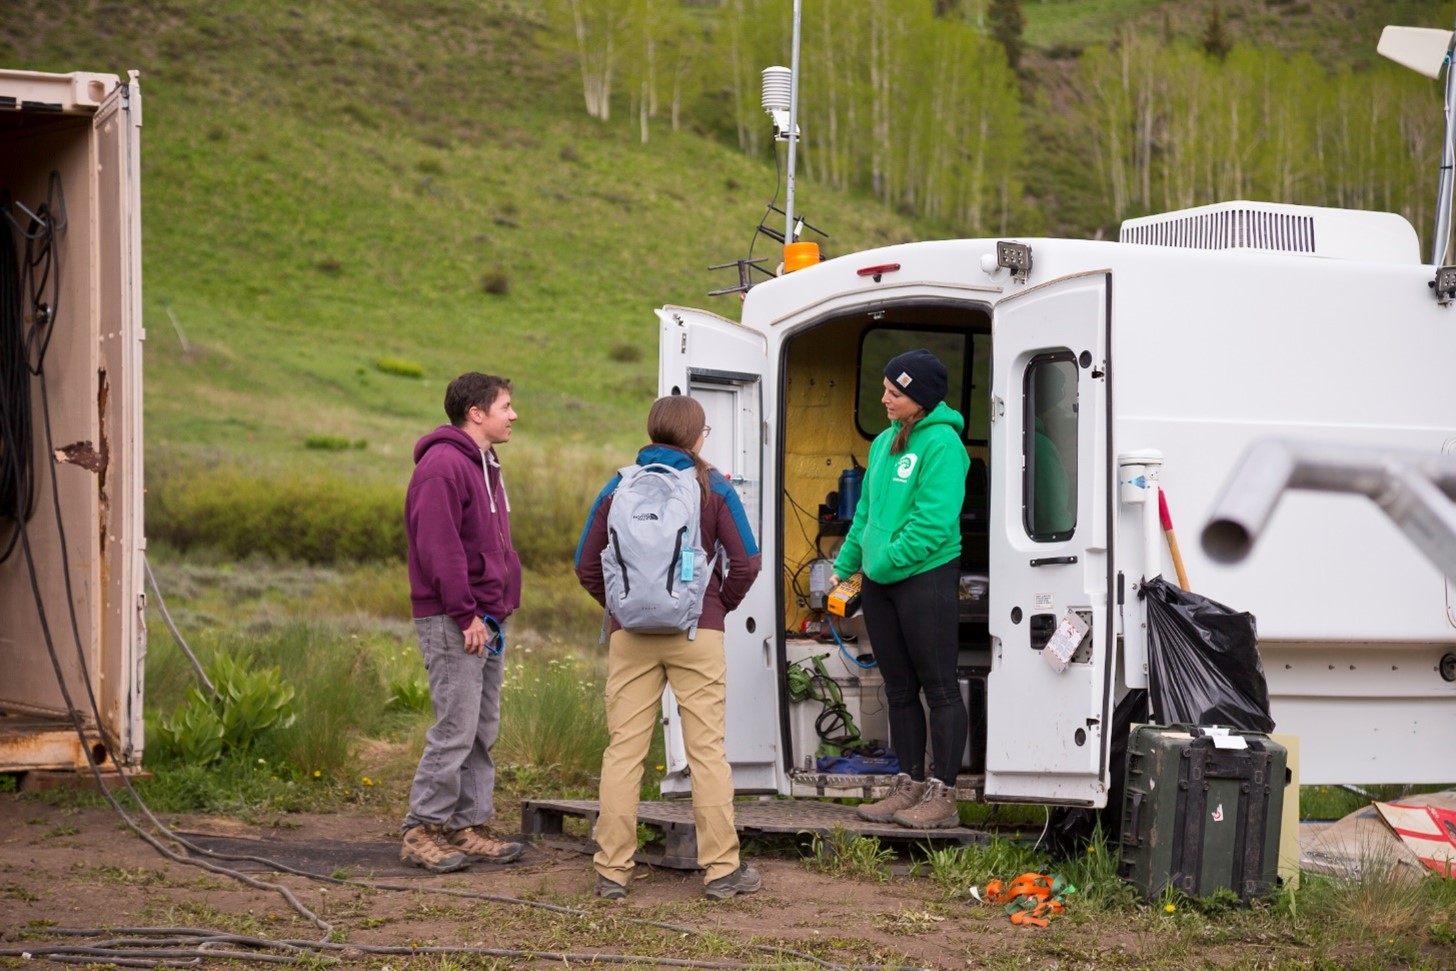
(906, 540)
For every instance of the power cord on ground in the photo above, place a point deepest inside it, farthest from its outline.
(172, 628)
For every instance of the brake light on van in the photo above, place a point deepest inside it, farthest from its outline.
(877, 271)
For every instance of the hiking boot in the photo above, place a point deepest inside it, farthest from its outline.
(610, 889)
(745, 879)
(935, 810)
(425, 846)
(905, 792)
(479, 845)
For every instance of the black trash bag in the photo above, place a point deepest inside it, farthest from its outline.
(1071, 828)
(1203, 662)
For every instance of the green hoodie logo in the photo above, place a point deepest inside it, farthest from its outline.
(905, 466)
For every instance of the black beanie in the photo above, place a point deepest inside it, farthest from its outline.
(920, 375)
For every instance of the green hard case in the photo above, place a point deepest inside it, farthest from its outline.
(1198, 817)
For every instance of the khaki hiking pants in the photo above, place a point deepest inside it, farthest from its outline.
(638, 668)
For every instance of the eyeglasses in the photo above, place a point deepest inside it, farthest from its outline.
(495, 636)
(707, 430)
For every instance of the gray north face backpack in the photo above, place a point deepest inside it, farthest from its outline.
(655, 569)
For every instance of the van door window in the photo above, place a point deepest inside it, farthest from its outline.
(1050, 447)
(967, 360)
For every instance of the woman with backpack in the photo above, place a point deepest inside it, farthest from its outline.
(690, 657)
(906, 540)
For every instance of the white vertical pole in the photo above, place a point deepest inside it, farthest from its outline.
(1442, 243)
(794, 126)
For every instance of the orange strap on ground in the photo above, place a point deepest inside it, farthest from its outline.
(1019, 895)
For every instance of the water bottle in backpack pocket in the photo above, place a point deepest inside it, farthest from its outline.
(655, 569)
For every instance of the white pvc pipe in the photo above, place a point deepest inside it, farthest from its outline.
(1414, 489)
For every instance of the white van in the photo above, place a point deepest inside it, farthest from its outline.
(1176, 347)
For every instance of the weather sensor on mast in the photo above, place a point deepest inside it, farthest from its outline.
(780, 100)
(1427, 50)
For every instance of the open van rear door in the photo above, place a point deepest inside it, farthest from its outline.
(1051, 568)
(721, 364)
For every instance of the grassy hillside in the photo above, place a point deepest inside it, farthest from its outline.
(332, 185)
(1336, 31)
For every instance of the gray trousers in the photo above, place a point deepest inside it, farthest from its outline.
(454, 785)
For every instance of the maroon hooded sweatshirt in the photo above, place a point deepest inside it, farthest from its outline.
(457, 520)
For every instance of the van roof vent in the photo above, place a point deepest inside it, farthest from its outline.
(1342, 234)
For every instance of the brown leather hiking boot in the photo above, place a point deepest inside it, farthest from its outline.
(479, 845)
(904, 793)
(425, 846)
(935, 810)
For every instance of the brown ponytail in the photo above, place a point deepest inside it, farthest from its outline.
(678, 420)
(902, 437)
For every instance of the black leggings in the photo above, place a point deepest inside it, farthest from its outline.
(913, 627)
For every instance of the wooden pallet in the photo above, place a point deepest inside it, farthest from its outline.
(766, 817)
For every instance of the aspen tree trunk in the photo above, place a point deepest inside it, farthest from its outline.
(596, 66)
(879, 109)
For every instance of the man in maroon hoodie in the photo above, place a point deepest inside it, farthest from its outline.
(465, 580)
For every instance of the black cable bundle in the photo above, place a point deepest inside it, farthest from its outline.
(17, 493)
(22, 354)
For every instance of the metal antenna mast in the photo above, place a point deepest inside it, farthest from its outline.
(789, 235)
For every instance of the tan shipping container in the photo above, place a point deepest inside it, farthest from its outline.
(71, 585)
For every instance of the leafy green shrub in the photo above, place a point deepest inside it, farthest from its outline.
(325, 517)
(412, 694)
(253, 702)
(495, 282)
(193, 734)
(400, 367)
(551, 492)
(313, 517)
(554, 604)
(249, 704)
(955, 869)
(332, 675)
(845, 854)
(333, 443)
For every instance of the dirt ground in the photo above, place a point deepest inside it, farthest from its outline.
(66, 868)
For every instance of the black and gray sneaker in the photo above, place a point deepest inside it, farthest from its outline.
(610, 889)
(745, 879)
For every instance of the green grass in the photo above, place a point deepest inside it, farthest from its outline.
(558, 721)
